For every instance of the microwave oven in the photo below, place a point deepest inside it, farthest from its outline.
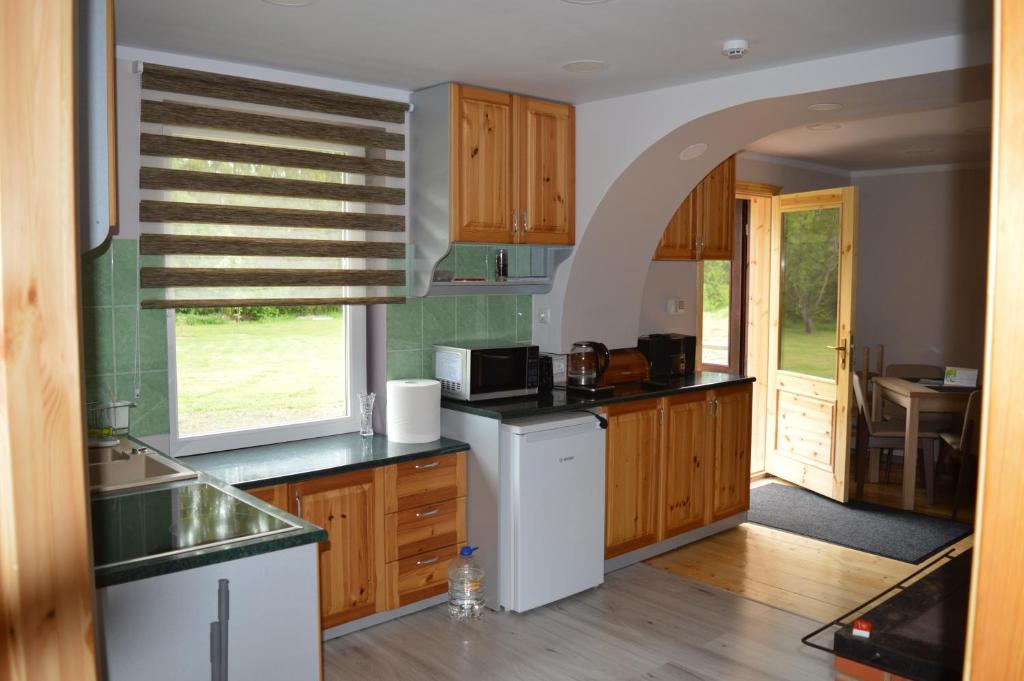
(486, 371)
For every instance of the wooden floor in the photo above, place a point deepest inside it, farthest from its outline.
(891, 494)
(811, 578)
(643, 623)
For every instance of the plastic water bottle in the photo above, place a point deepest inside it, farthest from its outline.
(465, 586)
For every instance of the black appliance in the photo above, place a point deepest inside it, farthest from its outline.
(669, 354)
(547, 375)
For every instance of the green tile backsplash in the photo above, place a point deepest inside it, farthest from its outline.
(414, 328)
(109, 292)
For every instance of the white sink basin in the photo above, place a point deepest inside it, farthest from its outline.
(124, 467)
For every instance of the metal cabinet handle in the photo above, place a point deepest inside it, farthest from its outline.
(428, 514)
(526, 222)
(425, 466)
(428, 561)
(515, 221)
(298, 505)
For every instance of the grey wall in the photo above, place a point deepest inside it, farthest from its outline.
(921, 266)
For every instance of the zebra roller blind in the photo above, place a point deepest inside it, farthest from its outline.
(260, 193)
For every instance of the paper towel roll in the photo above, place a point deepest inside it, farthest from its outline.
(414, 410)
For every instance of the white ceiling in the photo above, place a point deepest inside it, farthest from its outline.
(959, 134)
(520, 45)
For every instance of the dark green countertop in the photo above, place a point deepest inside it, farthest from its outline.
(562, 400)
(304, 459)
(130, 523)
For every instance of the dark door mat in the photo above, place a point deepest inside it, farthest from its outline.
(893, 533)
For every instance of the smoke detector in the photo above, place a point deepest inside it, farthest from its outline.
(735, 49)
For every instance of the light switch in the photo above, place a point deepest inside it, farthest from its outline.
(675, 306)
(544, 316)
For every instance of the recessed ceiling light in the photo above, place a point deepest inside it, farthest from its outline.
(585, 66)
(291, 3)
(586, 2)
(915, 151)
(822, 127)
(825, 106)
(693, 151)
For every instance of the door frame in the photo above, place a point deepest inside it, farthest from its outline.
(757, 286)
(996, 612)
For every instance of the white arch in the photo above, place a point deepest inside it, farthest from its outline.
(630, 179)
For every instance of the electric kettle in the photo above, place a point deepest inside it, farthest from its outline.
(586, 362)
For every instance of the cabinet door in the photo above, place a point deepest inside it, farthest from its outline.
(350, 507)
(679, 242)
(730, 484)
(546, 171)
(275, 495)
(481, 166)
(631, 477)
(716, 208)
(684, 457)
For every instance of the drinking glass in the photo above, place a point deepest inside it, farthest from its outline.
(366, 414)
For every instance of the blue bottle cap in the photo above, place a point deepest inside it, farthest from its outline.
(468, 550)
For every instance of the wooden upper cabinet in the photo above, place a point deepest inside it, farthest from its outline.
(512, 168)
(703, 226)
(631, 491)
(717, 205)
(684, 463)
(547, 180)
(679, 242)
(482, 159)
(730, 484)
(350, 507)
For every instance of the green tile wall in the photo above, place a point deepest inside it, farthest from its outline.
(414, 328)
(109, 291)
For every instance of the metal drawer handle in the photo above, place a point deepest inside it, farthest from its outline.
(428, 514)
(424, 466)
(428, 561)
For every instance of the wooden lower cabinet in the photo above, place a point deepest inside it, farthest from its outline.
(631, 490)
(391, 532)
(350, 507)
(684, 463)
(730, 481)
(674, 465)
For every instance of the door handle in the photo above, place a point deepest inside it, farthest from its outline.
(298, 505)
(515, 221)
(841, 348)
(526, 222)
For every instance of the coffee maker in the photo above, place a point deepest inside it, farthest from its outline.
(670, 355)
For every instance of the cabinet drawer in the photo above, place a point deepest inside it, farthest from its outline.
(418, 577)
(425, 481)
(425, 528)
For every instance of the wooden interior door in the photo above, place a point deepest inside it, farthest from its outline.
(631, 493)
(716, 208)
(684, 463)
(730, 454)
(811, 337)
(679, 242)
(546, 176)
(350, 507)
(482, 166)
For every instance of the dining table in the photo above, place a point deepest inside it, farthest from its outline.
(916, 398)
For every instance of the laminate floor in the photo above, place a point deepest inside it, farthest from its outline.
(642, 624)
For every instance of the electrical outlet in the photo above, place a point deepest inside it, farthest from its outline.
(675, 306)
(544, 316)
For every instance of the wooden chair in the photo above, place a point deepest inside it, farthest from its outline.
(963, 444)
(885, 434)
(915, 371)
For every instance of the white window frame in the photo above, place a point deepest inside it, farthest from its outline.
(355, 376)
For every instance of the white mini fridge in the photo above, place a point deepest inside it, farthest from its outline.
(551, 509)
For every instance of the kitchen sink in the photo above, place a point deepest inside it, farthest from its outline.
(124, 466)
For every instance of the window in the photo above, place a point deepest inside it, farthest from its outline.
(722, 303)
(245, 376)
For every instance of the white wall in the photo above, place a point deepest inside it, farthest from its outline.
(792, 176)
(630, 179)
(921, 263)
